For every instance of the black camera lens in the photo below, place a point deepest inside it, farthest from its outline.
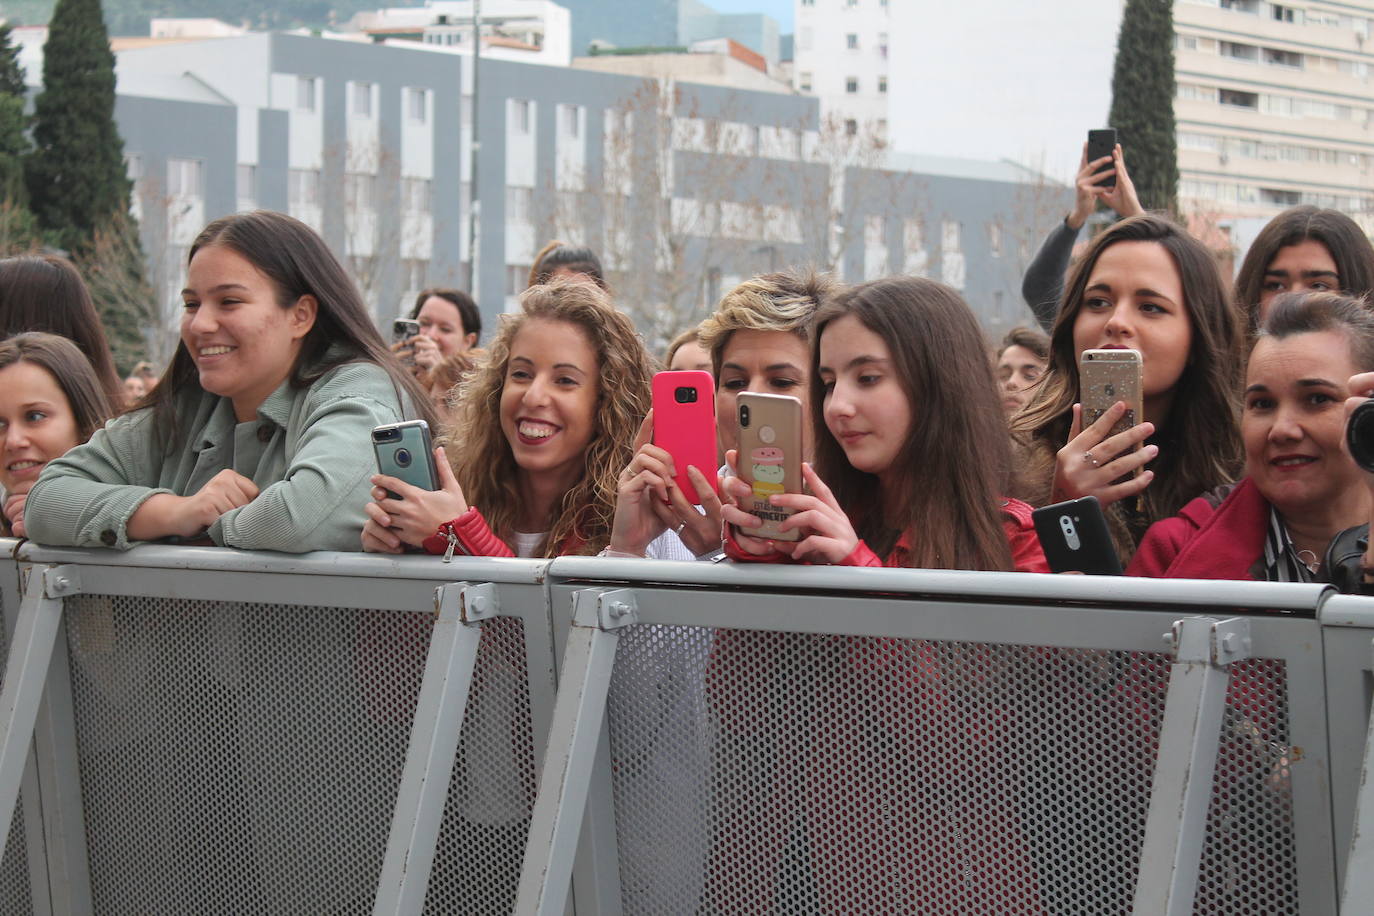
(1359, 435)
(685, 395)
(743, 416)
(403, 457)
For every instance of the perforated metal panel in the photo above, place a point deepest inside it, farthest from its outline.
(486, 821)
(780, 773)
(239, 757)
(15, 899)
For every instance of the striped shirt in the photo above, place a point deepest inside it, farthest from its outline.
(1281, 560)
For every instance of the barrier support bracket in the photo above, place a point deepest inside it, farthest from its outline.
(1189, 737)
(1359, 867)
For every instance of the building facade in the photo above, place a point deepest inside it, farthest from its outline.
(840, 55)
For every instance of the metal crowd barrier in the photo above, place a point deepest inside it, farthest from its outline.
(201, 730)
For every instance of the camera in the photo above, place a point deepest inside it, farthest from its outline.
(403, 457)
(1359, 435)
(743, 416)
(685, 395)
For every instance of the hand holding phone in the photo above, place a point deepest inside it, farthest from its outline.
(685, 425)
(1075, 538)
(769, 458)
(402, 330)
(1102, 143)
(406, 451)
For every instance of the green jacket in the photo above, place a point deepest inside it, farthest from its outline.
(309, 452)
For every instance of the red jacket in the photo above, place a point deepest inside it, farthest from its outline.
(473, 537)
(1026, 554)
(1208, 540)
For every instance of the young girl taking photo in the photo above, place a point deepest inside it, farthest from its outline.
(912, 458)
(545, 425)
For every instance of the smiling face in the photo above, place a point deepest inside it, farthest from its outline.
(441, 321)
(1293, 422)
(1018, 369)
(548, 399)
(866, 408)
(1308, 265)
(242, 341)
(764, 362)
(37, 424)
(1134, 300)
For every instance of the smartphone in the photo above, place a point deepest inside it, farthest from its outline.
(1101, 143)
(685, 424)
(769, 457)
(1075, 538)
(402, 329)
(406, 451)
(1108, 376)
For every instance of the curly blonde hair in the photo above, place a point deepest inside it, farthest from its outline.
(481, 456)
(771, 302)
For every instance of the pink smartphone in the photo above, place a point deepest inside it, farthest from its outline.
(685, 424)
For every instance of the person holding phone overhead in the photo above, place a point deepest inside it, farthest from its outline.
(1043, 284)
(545, 423)
(1148, 286)
(256, 436)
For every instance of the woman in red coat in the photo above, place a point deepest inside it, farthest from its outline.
(892, 751)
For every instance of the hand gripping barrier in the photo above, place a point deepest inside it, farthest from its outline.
(202, 730)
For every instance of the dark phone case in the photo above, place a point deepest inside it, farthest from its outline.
(1101, 143)
(1093, 554)
(687, 431)
(415, 438)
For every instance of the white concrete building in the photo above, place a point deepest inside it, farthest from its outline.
(1274, 105)
(840, 55)
(528, 31)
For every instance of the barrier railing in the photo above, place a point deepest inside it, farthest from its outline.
(218, 731)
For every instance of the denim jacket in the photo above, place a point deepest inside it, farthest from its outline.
(308, 450)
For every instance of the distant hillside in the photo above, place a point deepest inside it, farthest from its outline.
(130, 17)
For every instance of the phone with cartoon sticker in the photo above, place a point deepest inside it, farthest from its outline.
(1108, 376)
(685, 425)
(769, 457)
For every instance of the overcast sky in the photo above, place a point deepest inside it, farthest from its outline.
(780, 10)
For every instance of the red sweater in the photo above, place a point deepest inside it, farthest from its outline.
(1026, 554)
(1208, 540)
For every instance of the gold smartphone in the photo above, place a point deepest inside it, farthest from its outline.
(1108, 376)
(769, 457)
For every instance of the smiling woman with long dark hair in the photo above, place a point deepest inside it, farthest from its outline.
(258, 434)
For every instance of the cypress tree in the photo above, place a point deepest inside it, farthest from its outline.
(1143, 89)
(76, 177)
(17, 229)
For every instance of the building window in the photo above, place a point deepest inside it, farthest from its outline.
(519, 205)
(520, 115)
(851, 41)
(882, 84)
(517, 278)
(414, 274)
(184, 177)
(571, 121)
(362, 100)
(851, 4)
(360, 191)
(804, 82)
(1239, 99)
(305, 93)
(417, 195)
(995, 239)
(303, 187)
(851, 84)
(851, 127)
(417, 105)
(246, 185)
(882, 44)
(808, 2)
(133, 166)
(1283, 58)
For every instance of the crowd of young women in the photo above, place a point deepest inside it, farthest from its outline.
(256, 436)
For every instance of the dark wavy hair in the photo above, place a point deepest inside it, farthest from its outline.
(1311, 313)
(46, 293)
(1200, 444)
(1338, 233)
(298, 263)
(468, 313)
(957, 452)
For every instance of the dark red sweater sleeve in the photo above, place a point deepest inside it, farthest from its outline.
(474, 536)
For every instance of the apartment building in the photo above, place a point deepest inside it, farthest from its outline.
(840, 55)
(1274, 106)
(530, 31)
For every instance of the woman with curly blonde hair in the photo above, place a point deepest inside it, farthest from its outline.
(545, 424)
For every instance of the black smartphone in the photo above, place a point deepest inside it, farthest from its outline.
(1075, 538)
(406, 451)
(1101, 143)
(402, 329)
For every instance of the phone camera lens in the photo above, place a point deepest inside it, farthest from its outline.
(685, 395)
(403, 457)
(743, 416)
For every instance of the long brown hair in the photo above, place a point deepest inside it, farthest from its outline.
(481, 457)
(1339, 234)
(72, 371)
(1199, 443)
(46, 293)
(956, 451)
(297, 261)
